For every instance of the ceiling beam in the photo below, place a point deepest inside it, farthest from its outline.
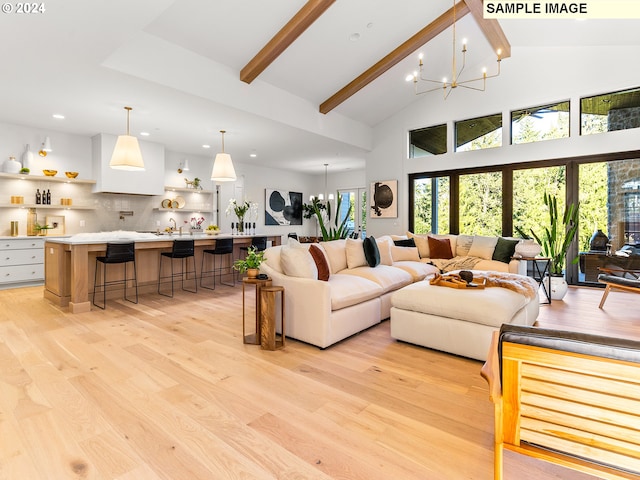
(302, 20)
(429, 32)
(491, 29)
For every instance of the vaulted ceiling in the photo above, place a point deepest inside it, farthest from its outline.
(181, 64)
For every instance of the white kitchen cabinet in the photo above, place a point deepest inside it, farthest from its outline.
(21, 262)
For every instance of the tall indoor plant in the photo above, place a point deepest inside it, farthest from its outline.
(556, 239)
(329, 232)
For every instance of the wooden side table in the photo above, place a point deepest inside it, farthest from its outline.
(251, 311)
(268, 311)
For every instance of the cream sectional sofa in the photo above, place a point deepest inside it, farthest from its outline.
(355, 296)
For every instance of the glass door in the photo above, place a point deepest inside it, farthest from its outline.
(355, 198)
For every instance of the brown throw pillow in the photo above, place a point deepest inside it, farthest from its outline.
(321, 262)
(439, 248)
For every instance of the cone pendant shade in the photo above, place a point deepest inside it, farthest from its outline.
(127, 154)
(223, 170)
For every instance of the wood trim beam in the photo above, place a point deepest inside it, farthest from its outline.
(302, 20)
(429, 32)
(491, 29)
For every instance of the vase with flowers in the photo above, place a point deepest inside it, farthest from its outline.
(241, 209)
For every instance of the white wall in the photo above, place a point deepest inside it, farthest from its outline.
(532, 76)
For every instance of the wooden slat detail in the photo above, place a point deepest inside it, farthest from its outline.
(612, 455)
(582, 410)
(491, 28)
(429, 32)
(609, 400)
(309, 13)
(586, 424)
(630, 389)
(604, 367)
(578, 436)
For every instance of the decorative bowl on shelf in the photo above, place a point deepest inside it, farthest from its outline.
(71, 174)
(50, 173)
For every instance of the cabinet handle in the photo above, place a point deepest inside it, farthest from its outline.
(8, 258)
(7, 275)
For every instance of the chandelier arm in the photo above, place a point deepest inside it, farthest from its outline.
(430, 90)
(432, 81)
(484, 85)
(484, 77)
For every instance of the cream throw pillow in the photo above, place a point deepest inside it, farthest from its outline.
(483, 247)
(463, 245)
(296, 261)
(400, 254)
(384, 247)
(336, 254)
(422, 242)
(355, 253)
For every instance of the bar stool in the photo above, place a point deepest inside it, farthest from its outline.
(116, 253)
(259, 243)
(224, 246)
(182, 249)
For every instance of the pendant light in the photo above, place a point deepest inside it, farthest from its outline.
(223, 170)
(321, 196)
(126, 154)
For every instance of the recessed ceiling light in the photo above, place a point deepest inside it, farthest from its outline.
(253, 155)
(145, 134)
(354, 37)
(58, 116)
(206, 146)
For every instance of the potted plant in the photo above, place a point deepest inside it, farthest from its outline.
(555, 241)
(24, 171)
(336, 232)
(42, 229)
(251, 263)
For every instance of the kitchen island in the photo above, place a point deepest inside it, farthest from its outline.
(69, 263)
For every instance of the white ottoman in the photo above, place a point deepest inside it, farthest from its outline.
(458, 321)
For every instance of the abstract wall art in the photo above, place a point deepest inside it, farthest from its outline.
(282, 207)
(384, 199)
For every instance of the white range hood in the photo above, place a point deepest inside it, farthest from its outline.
(109, 180)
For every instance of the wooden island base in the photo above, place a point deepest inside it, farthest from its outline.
(70, 266)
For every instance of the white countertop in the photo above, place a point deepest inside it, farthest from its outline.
(124, 236)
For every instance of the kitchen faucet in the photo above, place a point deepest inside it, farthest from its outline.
(174, 224)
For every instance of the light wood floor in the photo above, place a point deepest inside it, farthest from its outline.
(166, 390)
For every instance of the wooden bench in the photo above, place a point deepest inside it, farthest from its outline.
(570, 399)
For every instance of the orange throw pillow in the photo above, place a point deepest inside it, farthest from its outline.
(321, 262)
(439, 248)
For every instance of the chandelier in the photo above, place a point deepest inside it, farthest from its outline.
(448, 85)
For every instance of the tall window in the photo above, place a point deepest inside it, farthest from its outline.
(529, 187)
(480, 203)
(431, 205)
(479, 133)
(356, 199)
(540, 123)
